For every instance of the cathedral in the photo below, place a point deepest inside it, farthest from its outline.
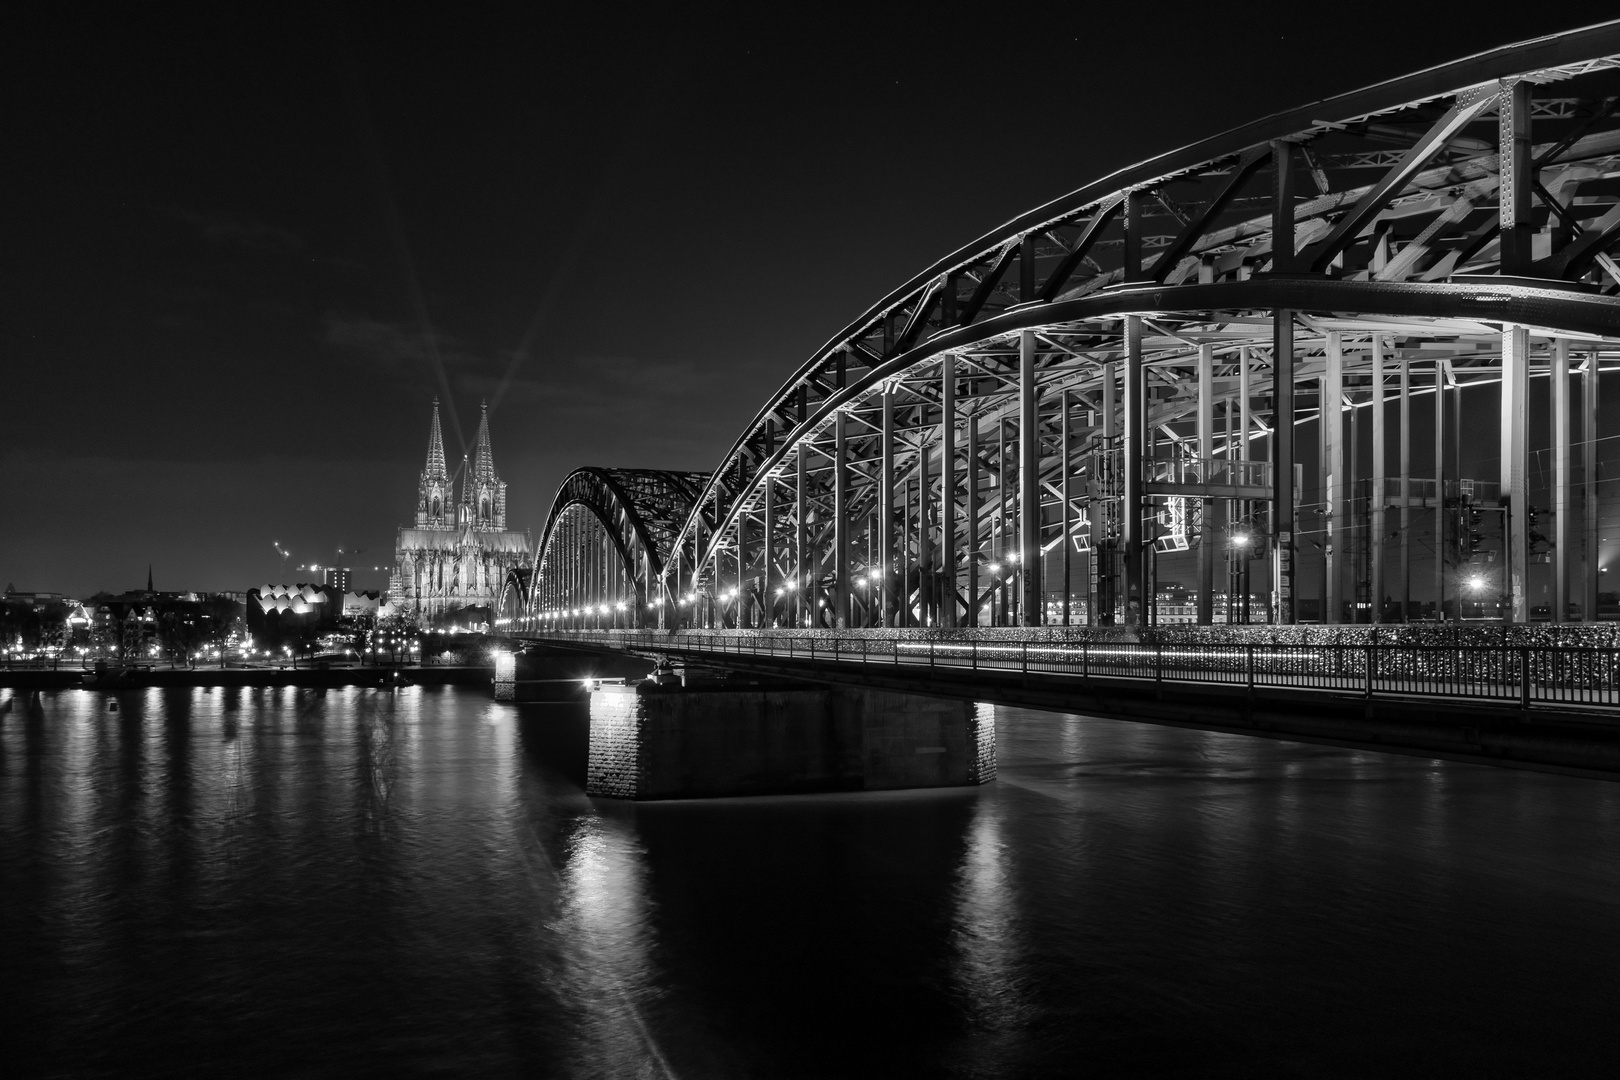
(456, 555)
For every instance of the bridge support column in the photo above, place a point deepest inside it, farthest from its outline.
(973, 519)
(1132, 462)
(1029, 485)
(947, 492)
(841, 568)
(1282, 457)
(1440, 490)
(1589, 495)
(1206, 507)
(1376, 500)
(1406, 488)
(925, 554)
(1515, 490)
(886, 512)
(1105, 572)
(1066, 453)
(801, 535)
(1334, 479)
(1238, 591)
(1562, 534)
(719, 739)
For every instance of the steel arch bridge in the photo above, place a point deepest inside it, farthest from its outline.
(1180, 362)
(608, 536)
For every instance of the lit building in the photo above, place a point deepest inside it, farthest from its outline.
(337, 579)
(456, 555)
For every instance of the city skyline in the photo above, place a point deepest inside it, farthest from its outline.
(234, 307)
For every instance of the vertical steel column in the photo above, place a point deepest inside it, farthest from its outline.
(1559, 400)
(767, 599)
(1104, 507)
(1349, 524)
(973, 518)
(1375, 485)
(1440, 490)
(924, 547)
(1515, 489)
(802, 569)
(1333, 470)
(947, 492)
(1029, 485)
(1245, 397)
(1005, 560)
(1282, 388)
(841, 589)
(1589, 491)
(1282, 460)
(1406, 488)
(1135, 441)
(1065, 451)
(1516, 177)
(1242, 554)
(886, 510)
(903, 565)
(745, 613)
(1206, 505)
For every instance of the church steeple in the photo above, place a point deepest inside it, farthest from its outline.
(433, 509)
(483, 456)
(484, 494)
(435, 459)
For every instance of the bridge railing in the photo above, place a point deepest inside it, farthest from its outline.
(1510, 674)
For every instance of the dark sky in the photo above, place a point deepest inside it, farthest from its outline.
(242, 254)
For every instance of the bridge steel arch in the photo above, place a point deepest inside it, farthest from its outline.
(603, 550)
(513, 601)
(1026, 429)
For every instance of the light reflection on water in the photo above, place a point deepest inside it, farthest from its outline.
(282, 881)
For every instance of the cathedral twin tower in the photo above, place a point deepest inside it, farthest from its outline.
(458, 554)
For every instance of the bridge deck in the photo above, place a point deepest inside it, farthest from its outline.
(1527, 677)
(1553, 709)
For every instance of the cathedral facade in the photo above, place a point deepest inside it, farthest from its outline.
(458, 552)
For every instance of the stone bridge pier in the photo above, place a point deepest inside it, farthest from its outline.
(708, 733)
(715, 737)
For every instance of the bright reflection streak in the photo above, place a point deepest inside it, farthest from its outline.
(986, 933)
(604, 900)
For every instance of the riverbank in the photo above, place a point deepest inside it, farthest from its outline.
(68, 677)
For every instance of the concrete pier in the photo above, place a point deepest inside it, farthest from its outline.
(557, 674)
(650, 741)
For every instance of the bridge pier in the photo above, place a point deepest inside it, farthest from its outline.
(717, 738)
(556, 674)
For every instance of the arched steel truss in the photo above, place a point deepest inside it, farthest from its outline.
(606, 539)
(513, 602)
(1135, 344)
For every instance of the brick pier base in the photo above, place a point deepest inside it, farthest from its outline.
(671, 742)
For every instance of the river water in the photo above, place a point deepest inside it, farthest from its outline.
(287, 883)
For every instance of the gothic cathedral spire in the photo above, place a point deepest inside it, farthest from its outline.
(435, 460)
(484, 455)
(433, 509)
(487, 498)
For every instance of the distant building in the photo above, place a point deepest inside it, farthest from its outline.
(145, 623)
(456, 556)
(367, 602)
(278, 612)
(337, 579)
(32, 599)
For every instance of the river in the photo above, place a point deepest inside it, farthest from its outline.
(293, 883)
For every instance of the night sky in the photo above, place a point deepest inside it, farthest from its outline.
(241, 256)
